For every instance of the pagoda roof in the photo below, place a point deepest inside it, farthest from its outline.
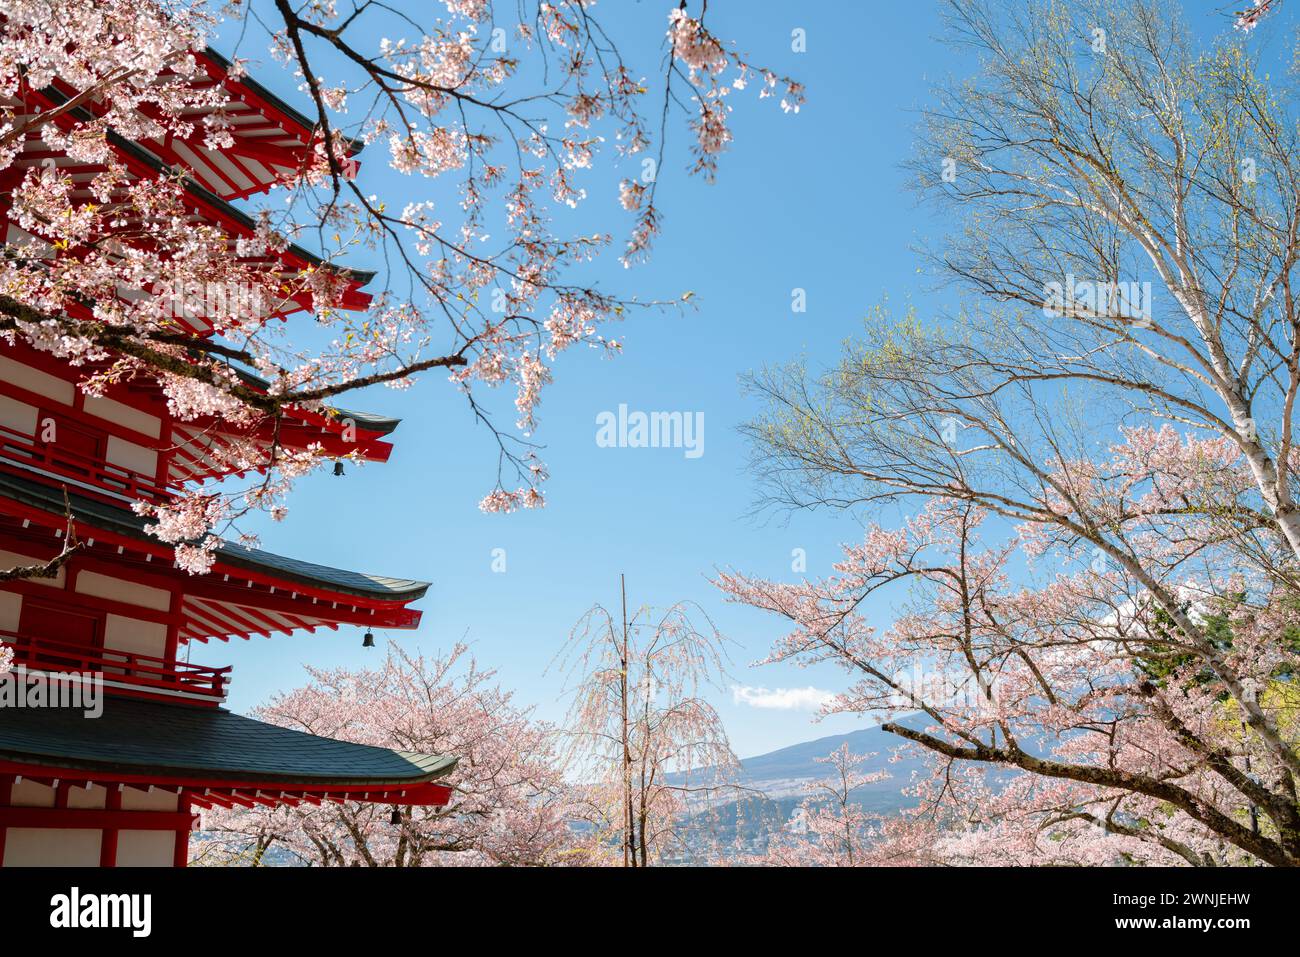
(269, 138)
(230, 211)
(190, 744)
(196, 448)
(207, 204)
(370, 421)
(292, 112)
(123, 521)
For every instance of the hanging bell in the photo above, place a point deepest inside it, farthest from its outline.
(369, 640)
(396, 819)
(338, 469)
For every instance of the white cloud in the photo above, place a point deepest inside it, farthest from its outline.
(781, 699)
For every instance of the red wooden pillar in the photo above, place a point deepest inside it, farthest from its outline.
(6, 796)
(108, 838)
(181, 856)
(173, 624)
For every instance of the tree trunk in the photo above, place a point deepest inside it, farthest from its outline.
(629, 827)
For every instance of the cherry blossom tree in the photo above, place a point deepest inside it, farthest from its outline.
(1116, 388)
(510, 805)
(1131, 742)
(496, 111)
(648, 749)
(829, 829)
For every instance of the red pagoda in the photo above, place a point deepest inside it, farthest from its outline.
(124, 787)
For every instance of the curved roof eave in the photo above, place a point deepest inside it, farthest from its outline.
(370, 421)
(354, 145)
(113, 518)
(134, 736)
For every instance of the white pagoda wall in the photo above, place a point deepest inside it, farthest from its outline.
(44, 847)
(18, 416)
(48, 847)
(11, 606)
(119, 451)
(121, 632)
(34, 380)
(14, 559)
(116, 412)
(22, 417)
(80, 847)
(145, 848)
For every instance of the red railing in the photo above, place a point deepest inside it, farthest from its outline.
(18, 447)
(143, 672)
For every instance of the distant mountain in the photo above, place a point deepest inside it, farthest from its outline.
(786, 771)
(781, 777)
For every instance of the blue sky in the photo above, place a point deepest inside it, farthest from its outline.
(814, 201)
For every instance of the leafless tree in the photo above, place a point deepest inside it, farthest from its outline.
(1125, 207)
(647, 745)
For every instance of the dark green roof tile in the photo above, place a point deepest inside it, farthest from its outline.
(145, 737)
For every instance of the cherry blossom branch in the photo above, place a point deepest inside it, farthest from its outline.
(1270, 851)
